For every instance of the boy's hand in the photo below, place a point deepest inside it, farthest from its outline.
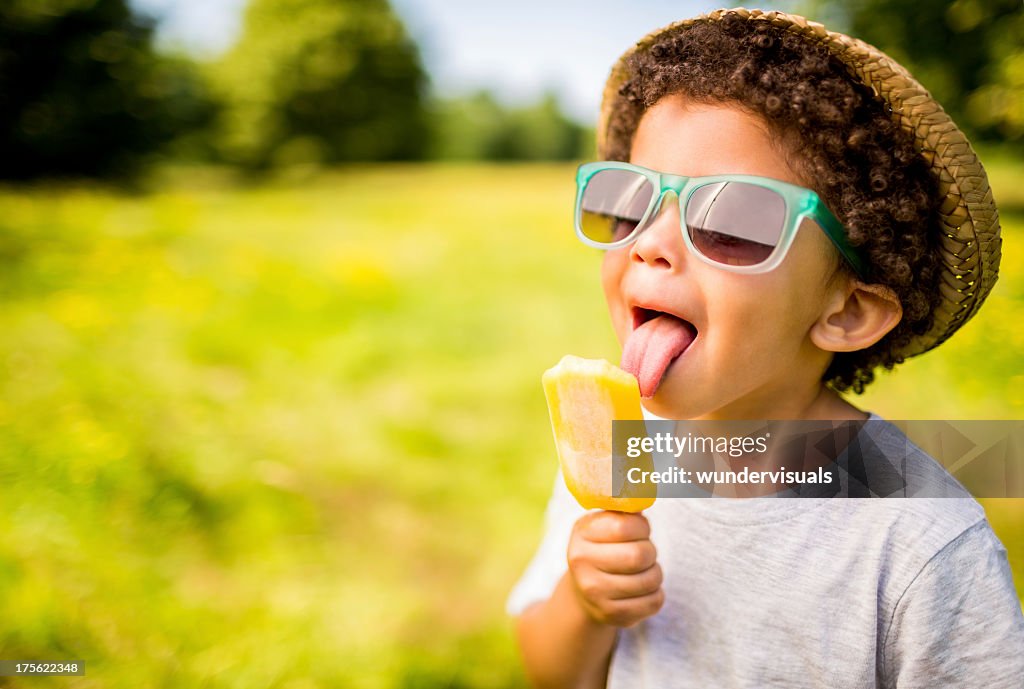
(613, 567)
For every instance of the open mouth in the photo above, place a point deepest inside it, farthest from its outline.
(657, 340)
(642, 315)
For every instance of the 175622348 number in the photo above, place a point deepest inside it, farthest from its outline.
(11, 668)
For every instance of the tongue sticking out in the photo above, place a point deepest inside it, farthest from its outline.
(652, 347)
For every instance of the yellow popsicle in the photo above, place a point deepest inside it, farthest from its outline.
(584, 397)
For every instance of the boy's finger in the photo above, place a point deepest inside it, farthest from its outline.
(622, 586)
(623, 558)
(629, 611)
(617, 527)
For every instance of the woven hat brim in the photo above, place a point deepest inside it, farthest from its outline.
(970, 241)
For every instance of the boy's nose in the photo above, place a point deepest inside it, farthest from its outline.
(660, 244)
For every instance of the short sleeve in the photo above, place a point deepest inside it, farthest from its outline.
(959, 623)
(549, 561)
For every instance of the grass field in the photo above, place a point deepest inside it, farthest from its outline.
(292, 435)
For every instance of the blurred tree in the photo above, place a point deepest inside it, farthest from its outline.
(477, 127)
(542, 132)
(466, 128)
(321, 81)
(968, 53)
(82, 92)
(998, 104)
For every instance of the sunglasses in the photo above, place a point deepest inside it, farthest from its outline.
(739, 223)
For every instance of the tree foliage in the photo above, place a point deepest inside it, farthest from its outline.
(968, 53)
(321, 81)
(83, 93)
(478, 127)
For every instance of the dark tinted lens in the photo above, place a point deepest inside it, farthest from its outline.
(613, 203)
(735, 223)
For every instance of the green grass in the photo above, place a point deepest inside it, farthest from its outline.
(293, 435)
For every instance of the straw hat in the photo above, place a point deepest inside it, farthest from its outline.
(970, 242)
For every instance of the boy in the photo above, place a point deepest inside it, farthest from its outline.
(730, 305)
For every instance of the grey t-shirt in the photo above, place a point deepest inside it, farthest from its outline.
(812, 592)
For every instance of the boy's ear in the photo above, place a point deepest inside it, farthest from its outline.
(859, 316)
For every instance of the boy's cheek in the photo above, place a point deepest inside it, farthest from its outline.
(612, 271)
(619, 316)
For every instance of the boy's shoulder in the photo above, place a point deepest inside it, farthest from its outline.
(924, 501)
(882, 461)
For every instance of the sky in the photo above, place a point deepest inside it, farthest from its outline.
(517, 50)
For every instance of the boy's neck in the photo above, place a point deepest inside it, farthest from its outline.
(830, 405)
(815, 403)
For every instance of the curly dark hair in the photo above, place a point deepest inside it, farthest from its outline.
(840, 140)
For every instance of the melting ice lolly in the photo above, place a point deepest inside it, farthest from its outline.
(584, 397)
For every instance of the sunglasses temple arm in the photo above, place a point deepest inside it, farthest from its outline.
(837, 235)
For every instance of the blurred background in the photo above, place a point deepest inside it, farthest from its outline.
(278, 281)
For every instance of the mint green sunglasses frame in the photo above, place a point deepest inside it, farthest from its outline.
(800, 203)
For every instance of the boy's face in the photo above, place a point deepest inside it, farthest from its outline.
(752, 356)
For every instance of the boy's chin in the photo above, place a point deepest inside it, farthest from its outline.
(676, 398)
(669, 403)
